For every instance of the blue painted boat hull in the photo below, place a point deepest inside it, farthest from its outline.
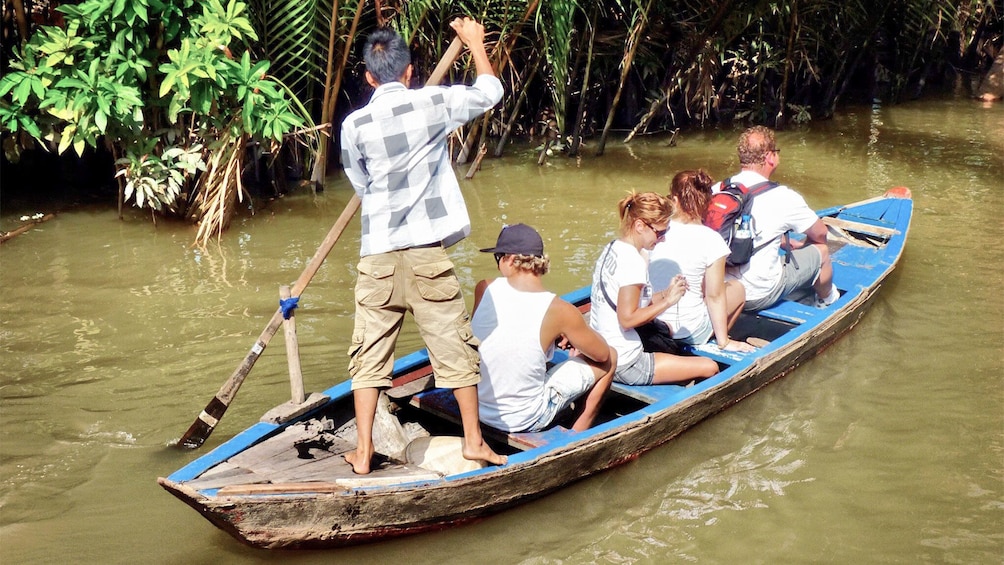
(349, 510)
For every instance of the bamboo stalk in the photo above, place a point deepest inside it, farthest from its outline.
(320, 163)
(21, 19)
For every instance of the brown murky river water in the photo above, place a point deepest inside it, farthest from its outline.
(887, 448)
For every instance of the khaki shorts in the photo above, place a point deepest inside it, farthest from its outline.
(420, 281)
(797, 274)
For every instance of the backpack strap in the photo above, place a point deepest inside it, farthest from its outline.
(761, 187)
(755, 190)
(603, 287)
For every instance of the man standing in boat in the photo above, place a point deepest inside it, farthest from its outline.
(518, 323)
(395, 155)
(769, 276)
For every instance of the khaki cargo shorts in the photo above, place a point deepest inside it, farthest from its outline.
(420, 281)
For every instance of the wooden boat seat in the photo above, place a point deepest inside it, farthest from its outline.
(442, 403)
(859, 227)
(791, 312)
(648, 394)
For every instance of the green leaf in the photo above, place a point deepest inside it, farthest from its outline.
(100, 120)
(22, 91)
(168, 84)
(10, 80)
(70, 82)
(173, 109)
(55, 59)
(37, 87)
(260, 69)
(65, 138)
(29, 125)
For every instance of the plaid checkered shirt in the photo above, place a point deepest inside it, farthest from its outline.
(395, 155)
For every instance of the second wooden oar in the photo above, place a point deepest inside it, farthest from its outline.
(204, 425)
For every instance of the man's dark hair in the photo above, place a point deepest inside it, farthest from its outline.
(386, 55)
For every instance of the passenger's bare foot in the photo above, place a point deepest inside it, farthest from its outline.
(481, 452)
(360, 461)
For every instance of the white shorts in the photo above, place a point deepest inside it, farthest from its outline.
(566, 381)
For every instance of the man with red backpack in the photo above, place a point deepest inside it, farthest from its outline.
(771, 275)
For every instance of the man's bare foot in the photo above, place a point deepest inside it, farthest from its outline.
(481, 452)
(360, 461)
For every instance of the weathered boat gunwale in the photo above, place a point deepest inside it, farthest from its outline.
(353, 515)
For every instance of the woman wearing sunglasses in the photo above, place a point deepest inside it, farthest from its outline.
(623, 300)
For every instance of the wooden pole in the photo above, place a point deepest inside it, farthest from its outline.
(4, 236)
(477, 161)
(292, 351)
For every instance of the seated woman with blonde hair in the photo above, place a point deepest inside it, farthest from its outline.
(711, 305)
(623, 300)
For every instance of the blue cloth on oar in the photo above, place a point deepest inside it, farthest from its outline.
(288, 305)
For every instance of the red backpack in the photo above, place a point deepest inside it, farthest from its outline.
(729, 214)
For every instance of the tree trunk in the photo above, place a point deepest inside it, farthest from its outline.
(838, 86)
(518, 106)
(573, 148)
(630, 50)
(992, 86)
(781, 118)
(22, 21)
(331, 93)
(711, 29)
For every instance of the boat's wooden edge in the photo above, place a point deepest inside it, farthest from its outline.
(182, 491)
(325, 487)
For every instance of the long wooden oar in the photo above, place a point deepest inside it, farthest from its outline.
(211, 414)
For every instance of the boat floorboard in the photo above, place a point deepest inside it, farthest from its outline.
(299, 453)
(442, 403)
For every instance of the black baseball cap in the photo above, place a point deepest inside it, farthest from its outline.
(518, 239)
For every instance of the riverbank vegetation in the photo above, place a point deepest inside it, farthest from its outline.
(189, 96)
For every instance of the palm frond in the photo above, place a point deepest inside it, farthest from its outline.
(293, 35)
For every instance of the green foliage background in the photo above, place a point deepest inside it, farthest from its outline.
(185, 93)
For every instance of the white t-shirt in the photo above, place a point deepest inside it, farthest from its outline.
(774, 212)
(689, 249)
(620, 264)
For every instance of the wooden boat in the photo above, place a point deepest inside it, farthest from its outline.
(286, 484)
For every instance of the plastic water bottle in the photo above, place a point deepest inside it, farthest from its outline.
(744, 228)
